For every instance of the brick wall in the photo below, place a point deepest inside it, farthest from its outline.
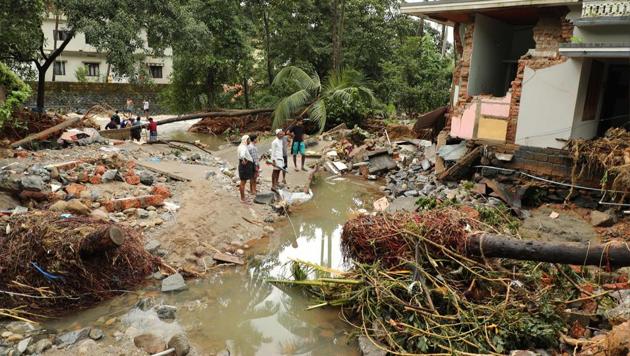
(64, 96)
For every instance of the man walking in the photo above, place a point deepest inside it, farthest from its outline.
(276, 159)
(136, 130)
(253, 151)
(298, 147)
(285, 154)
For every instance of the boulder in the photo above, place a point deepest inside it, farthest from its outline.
(33, 183)
(41, 346)
(174, 283)
(602, 219)
(149, 343)
(166, 312)
(180, 343)
(75, 206)
(72, 337)
(96, 334)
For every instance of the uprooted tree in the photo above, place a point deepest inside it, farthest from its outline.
(120, 30)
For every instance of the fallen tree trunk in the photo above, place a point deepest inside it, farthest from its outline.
(230, 113)
(44, 134)
(102, 240)
(491, 245)
(464, 163)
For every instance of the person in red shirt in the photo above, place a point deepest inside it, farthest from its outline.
(152, 130)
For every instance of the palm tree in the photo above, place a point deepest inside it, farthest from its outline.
(311, 96)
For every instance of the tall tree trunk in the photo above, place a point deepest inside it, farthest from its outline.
(268, 46)
(421, 28)
(246, 91)
(337, 33)
(109, 68)
(55, 40)
(444, 40)
(42, 68)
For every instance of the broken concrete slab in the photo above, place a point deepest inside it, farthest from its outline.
(381, 162)
(402, 204)
(453, 152)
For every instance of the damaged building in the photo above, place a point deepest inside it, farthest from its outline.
(531, 74)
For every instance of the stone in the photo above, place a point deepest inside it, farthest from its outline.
(180, 343)
(151, 208)
(23, 345)
(86, 347)
(149, 343)
(72, 337)
(264, 198)
(41, 346)
(158, 275)
(130, 211)
(110, 175)
(411, 193)
(602, 219)
(402, 204)
(146, 178)
(132, 179)
(110, 322)
(33, 183)
(152, 246)
(161, 190)
(77, 207)
(75, 189)
(174, 283)
(14, 338)
(6, 334)
(96, 334)
(142, 213)
(368, 348)
(166, 311)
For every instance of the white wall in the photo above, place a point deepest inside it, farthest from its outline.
(548, 104)
(598, 34)
(78, 52)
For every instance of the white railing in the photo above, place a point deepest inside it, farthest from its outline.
(605, 8)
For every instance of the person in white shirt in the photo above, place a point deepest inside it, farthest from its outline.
(145, 106)
(277, 159)
(245, 166)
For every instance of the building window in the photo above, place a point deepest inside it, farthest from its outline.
(92, 69)
(60, 68)
(61, 35)
(156, 71)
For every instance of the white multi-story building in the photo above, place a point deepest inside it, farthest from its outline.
(80, 54)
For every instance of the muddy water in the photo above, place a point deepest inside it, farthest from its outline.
(236, 307)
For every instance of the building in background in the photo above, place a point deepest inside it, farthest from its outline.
(80, 54)
(536, 72)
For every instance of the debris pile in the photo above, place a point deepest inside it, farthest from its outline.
(51, 264)
(610, 153)
(412, 289)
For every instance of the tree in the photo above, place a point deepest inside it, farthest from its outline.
(119, 29)
(13, 93)
(310, 97)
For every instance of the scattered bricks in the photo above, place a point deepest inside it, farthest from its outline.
(20, 154)
(83, 177)
(74, 189)
(134, 202)
(161, 190)
(100, 170)
(132, 179)
(131, 164)
(95, 179)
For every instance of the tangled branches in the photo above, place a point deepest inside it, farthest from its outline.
(412, 289)
(45, 267)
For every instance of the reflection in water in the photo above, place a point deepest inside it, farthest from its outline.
(214, 142)
(235, 306)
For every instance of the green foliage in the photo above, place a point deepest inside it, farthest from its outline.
(81, 74)
(345, 94)
(499, 217)
(416, 77)
(20, 32)
(17, 92)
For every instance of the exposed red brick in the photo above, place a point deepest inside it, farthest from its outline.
(83, 177)
(20, 154)
(161, 190)
(75, 189)
(95, 179)
(134, 202)
(100, 170)
(31, 195)
(132, 179)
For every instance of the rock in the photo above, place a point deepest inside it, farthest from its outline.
(173, 283)
(110, 175)
(146, 178)
(620, 313)
(522, 353)
(161, 190)
(152, 246)
(264, 198)
(180, 343)
(602, 219)
(368, 348)
(151, 208)
(402, 204)
(149, 343)
(86, 347)
(6, 334)
(411, 193)
(14, 338)
(96, 334)
(33, 183)
(166, 311)
(158, 275)
(268, 229)
(141, 213)
(41, 346)
(77, 207)
(110, 322)
(59, 206)
(72, 337)
(23, 345)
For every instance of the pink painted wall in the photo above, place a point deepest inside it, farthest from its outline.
(496, 107)
(464, 126)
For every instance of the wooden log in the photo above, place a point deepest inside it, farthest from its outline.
(44, 134)
(163, 172)
(464, 163)
(105, 239)
(614, 254)
(227, 113)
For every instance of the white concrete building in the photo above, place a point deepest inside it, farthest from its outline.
(80, 54)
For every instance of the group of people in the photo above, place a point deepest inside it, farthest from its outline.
(116, 122)
(249, 159)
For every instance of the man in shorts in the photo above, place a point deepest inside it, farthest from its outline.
(298, 147)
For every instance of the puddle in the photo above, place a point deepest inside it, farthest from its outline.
(235, 306)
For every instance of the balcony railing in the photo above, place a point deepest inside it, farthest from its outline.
(605, 8)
